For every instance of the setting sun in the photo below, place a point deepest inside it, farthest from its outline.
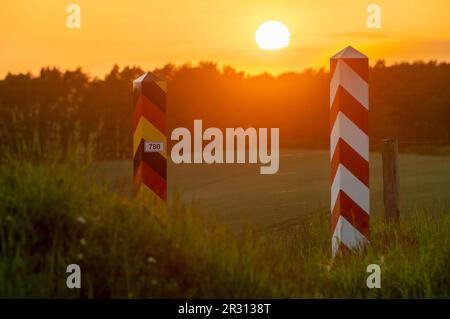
(272, 35)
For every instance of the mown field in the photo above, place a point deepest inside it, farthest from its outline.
(237, 194)
(54, 213)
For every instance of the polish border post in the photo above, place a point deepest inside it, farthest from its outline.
(349, 150)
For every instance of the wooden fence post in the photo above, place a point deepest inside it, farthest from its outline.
(391, 180)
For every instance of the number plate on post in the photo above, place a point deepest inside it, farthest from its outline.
(153, 147)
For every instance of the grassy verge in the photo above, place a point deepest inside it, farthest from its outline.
(53, 214)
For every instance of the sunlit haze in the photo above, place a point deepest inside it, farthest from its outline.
(152, 33)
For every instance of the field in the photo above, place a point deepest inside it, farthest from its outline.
(54, 213)
(239, 195)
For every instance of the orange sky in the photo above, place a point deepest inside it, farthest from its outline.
(150, 33)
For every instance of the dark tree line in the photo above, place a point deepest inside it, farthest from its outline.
(407, 101)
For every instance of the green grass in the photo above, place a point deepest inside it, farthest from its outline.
(53, 214)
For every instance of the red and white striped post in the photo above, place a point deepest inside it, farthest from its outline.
(349, 150)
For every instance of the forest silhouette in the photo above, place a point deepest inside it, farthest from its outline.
(408, 101)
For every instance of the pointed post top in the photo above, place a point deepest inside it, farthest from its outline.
(349, 53)
(147, 77)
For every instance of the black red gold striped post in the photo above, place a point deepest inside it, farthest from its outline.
(150, 138)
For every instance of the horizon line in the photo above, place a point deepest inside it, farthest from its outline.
(219, 66)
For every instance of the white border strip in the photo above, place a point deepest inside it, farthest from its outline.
(347, 130)
(350, 80)
(347, 182)
(345, 233)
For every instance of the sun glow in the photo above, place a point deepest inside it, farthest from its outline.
(272, 35)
